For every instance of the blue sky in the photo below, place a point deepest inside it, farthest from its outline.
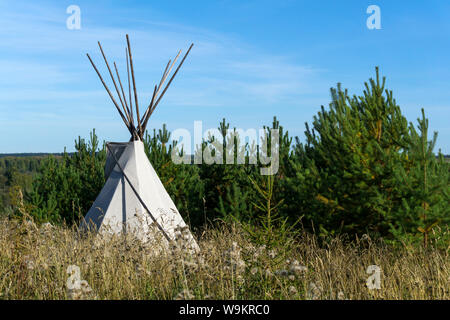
(251, 60)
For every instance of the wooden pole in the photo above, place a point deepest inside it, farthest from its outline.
(114, 81)
(148, 116)
(110, 95)
(173, 76)
(168, 72)
(125, 100)
(170, 81)
(161, 83)
(129, 85)
(121, 89)
(149, 106)
(134, 85)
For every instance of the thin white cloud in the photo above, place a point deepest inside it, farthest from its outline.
(233, 69)
(45, 69)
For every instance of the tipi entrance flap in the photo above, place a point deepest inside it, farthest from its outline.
(117, 148)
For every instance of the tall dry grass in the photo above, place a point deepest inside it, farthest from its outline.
(38, 262)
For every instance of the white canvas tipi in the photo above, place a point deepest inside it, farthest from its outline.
(133, 199)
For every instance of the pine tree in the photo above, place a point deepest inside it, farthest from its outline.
(425, 185)
(347, 164)
(66, 187)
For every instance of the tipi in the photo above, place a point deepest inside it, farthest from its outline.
(133, 199)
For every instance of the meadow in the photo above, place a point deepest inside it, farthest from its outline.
(42, 262)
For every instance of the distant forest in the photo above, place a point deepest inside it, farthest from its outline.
(18, 169)
(29, 154)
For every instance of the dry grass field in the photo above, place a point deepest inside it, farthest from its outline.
(50, 262)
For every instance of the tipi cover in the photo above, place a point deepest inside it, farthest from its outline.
(118, 209)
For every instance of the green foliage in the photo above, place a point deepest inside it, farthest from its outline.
(15, 172)
(66, 188)
(425, 185)
(235, 205)
(226, 186)
(361, 169)
(269, 227)
(349, 176)
(348, 159)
